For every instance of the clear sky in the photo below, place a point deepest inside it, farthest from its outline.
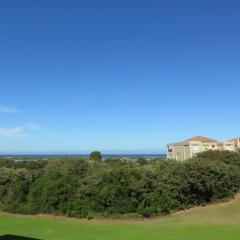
(117, 76)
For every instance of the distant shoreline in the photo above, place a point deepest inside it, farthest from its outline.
(81, 155)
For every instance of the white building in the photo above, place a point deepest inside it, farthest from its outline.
(191, 147)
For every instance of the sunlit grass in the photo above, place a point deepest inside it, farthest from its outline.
(221, 222)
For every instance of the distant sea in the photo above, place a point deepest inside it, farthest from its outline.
(146, 156)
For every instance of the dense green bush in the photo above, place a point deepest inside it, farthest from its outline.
(14, 186)
(84, 188)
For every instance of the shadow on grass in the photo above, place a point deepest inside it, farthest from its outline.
(13, 237)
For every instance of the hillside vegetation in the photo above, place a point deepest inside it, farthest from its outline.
(89, 187)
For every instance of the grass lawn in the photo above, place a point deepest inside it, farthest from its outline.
(220, 222)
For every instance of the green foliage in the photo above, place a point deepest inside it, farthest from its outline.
(30, 164)
(52, 191)
(96, 156)
(84, 188)
(142, 161)
(118, 189)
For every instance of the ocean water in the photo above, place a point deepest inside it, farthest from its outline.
(104, 156)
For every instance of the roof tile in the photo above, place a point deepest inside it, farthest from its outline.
(201, 139)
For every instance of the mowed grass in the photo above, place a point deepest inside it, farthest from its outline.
(220, 222)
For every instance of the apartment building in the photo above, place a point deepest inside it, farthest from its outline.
(191, 147)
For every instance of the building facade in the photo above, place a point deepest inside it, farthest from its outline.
(191, 147)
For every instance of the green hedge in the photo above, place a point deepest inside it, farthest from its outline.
(86, 187)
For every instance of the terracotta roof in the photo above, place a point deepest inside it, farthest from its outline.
(201, 139)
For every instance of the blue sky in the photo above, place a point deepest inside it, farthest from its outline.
(117, 76)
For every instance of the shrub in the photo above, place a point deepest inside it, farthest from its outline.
(81, 188)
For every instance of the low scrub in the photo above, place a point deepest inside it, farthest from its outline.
(91, 187)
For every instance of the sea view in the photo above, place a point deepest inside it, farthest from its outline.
(119, 120)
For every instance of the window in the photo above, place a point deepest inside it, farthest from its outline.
(206, 147)
(195, 147)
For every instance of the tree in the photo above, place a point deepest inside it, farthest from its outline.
(96, 156)
(79, 187)
(142, 161)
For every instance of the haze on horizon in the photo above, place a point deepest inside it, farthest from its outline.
(119, 77)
